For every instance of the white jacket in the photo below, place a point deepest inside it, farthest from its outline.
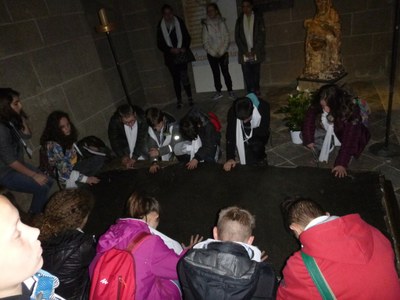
(215, 36)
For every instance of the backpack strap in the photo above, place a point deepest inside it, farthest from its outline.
(137, 241)
(318, 278)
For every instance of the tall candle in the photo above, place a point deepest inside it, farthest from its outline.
(103, 17)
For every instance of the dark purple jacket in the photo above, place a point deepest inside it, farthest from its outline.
(352, 134)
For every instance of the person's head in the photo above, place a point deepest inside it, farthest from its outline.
(20, 250)
(155, 118)
(235, 224)
(247, 7)
(334, 100)
(11, 107)
(60, 129)
(66, 210)
(299, 212)
(212, 10)
(167, 13)
(144, 208)
(190, 124)
(127, 114)
(243, 108)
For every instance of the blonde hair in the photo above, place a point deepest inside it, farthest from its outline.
(66, 210)
(235, 224)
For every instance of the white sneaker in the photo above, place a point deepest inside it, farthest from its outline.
(231, 95)
(217, 95)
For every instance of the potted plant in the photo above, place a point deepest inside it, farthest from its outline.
(295, 111)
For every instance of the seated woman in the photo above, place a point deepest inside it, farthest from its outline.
(67, 250)
(15, 173)
(127, 132)
(163, 135)
(58, 139)
(201, 139)
(335, 118)
(155, 259)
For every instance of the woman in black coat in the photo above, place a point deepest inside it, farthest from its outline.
(67, 250)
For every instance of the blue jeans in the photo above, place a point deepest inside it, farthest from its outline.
(19, 182)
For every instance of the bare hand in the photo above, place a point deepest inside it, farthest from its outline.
(264, 256)
(339, 171)
(311, 146)
(191, 165)
(153, 152)
(41, 179)
(92, 180)
(194, 239)
(154, 168)
(229, 165)
(128, 162)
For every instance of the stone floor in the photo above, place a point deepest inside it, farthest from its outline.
(282, 152)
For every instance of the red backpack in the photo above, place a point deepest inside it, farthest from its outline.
(215, 121)
(114, 274)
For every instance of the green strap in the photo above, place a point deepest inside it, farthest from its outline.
(318, 278)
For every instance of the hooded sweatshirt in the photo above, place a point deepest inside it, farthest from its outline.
(155, 263)
(355, 258)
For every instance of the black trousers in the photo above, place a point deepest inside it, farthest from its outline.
(180, 76)
(217, 64)
(255, 150)
(251, 74)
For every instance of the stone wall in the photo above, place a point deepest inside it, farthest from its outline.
(366, 43)
(49, 55)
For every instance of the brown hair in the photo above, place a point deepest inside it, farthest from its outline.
(138, 206)
(235, 224)
(300, 211)
(66, 210)
(154, 116)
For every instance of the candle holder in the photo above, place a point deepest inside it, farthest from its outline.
(106, 27)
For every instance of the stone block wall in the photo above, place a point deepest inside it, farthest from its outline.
(49, 55)
(366, 42)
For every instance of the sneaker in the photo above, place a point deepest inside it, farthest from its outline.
(231, 95)
(217, 95)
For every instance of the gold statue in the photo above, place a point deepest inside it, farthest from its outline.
(323, 41)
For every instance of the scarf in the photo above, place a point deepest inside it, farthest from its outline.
(254, 123)
(161, 142)
(248, 27)
(131, 136)
(196, 145)
(166, 32)
(330, 133)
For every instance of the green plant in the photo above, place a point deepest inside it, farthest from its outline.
(295, 109)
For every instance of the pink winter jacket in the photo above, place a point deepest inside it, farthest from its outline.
(155, 262)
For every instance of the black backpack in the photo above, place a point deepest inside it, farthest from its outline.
(92, 145)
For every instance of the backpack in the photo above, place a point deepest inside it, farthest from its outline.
(215, 121)
(92, 145)
(114, 273)
(365, 111)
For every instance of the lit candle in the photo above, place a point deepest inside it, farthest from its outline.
(103, 17)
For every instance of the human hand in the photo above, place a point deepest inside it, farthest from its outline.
(153, 152)
(154, 168)
(128, 162)
(194, 239)
(264, 256)
(311, 146)
(92, 180)
(191, 165)
(40, 178)
(339, 171)
(229, 165)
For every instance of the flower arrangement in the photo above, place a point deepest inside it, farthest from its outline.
(295, 109)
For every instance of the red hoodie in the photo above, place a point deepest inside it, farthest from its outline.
(355, 258)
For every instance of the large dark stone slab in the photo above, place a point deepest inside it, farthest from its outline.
(190, 200)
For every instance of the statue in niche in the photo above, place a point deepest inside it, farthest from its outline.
(322, 45)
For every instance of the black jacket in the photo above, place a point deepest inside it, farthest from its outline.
(261, 133)
(68, 256)
(162, 45)
(225, 271)
(118, 141)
